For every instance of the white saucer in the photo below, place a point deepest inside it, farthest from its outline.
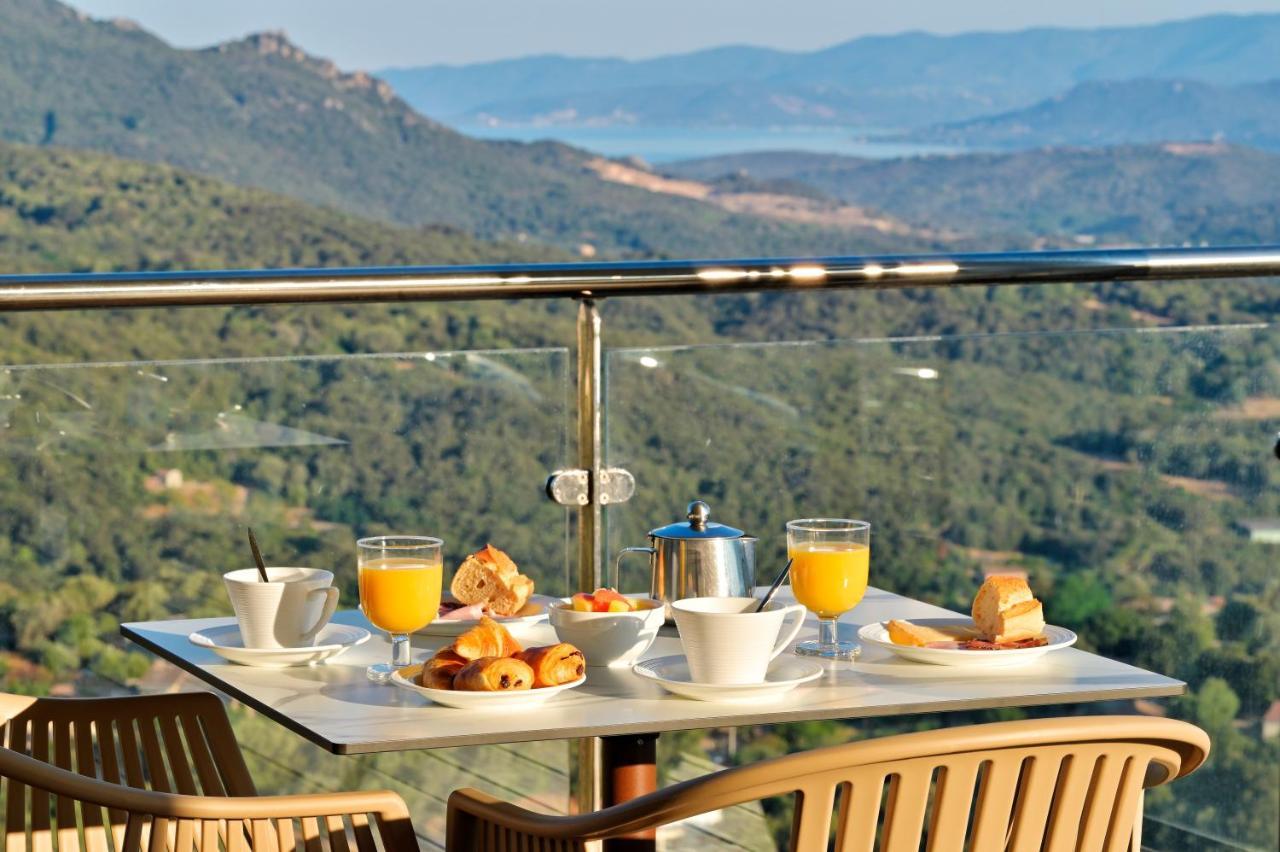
(785, 674)
(407, 678)
(331, 641)
(534, 612)
(877, 634)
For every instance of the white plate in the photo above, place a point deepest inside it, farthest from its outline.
(407, 678)
(877, 634)
(534, 612)
(331, 641)
(785, 674)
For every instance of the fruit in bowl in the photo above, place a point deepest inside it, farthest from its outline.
(607, 600)
(611, 629)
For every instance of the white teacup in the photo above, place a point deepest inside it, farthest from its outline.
(727, 642)
(286, 612)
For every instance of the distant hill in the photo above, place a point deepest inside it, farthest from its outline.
(1131, 111)
(904, 80)
(1173, 193)
(262, 112)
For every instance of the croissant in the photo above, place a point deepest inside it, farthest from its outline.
(494, 674)
(486, 639)
(438, 672)
(554, 664)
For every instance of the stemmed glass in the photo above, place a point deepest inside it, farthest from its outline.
(400, 582)
(830, 558)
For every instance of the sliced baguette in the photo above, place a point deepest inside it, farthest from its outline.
(906, 633)
(512, 597)
(997, 594)
(475, 582)
(498, 562)
(1023, 620)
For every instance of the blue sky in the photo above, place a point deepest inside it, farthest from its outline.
(372, 34)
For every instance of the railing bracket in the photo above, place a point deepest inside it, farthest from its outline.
(573, 487)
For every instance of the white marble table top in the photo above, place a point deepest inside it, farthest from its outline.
(335, 706)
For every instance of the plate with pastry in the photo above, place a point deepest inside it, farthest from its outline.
(489, 584)
(1006, 629)
(486, 667)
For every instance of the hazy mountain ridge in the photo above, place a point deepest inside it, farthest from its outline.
(1126, 112)
(908, 79)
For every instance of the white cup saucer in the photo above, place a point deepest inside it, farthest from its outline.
(785, 674)
(226, 642)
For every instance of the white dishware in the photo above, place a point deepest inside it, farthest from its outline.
(877, 634)
(226, 642)
(533, 613)
(609, 638)
(783, 675)
(408, 678)
(287, 612)
(728, 642)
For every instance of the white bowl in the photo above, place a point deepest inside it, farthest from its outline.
(609, 638)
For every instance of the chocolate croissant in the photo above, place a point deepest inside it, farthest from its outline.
(554, 664)
(486, 639)
(494, 674)
(439, 671)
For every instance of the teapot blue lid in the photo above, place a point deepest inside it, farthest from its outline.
(698, 525)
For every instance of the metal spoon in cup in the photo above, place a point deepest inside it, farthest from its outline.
(257, 557)
(768, 596)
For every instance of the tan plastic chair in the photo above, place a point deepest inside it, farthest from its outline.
(163, 772)
(1055, 784)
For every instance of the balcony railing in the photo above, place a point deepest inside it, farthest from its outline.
(1125, 463)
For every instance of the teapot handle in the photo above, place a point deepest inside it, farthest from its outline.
(617, 563)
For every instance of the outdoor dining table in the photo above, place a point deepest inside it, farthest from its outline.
(335, 706)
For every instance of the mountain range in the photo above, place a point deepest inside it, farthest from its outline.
(896, 81)
(1113, 112)
(262, 112)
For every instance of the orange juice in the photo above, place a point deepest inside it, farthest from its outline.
(400, 594)
(830, 579)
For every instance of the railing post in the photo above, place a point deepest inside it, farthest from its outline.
(590, 446)
(590, 515)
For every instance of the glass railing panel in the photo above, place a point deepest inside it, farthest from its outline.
(1129, 473)
(130, 485)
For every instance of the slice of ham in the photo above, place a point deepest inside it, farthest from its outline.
(983, 645)
(454, 612)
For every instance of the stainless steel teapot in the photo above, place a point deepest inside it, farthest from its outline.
(697, 558)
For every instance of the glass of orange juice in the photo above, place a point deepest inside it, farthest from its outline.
(830, 558)
(400, 581)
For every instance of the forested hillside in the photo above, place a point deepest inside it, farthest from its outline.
(1144, 194)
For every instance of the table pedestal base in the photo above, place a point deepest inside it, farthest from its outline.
(629, 769)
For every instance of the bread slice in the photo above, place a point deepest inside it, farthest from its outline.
(997, 594)
(1023, 620)
(511, 598)
(498, 562)
(906, 633)
(475, 582)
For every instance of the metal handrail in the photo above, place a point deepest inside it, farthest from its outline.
(646, 278)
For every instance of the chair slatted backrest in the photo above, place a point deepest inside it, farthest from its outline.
(49, 806)
(180, 743)
(1050, 784)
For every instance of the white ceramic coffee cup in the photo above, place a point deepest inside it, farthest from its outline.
(727, 642)
(286, 612)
